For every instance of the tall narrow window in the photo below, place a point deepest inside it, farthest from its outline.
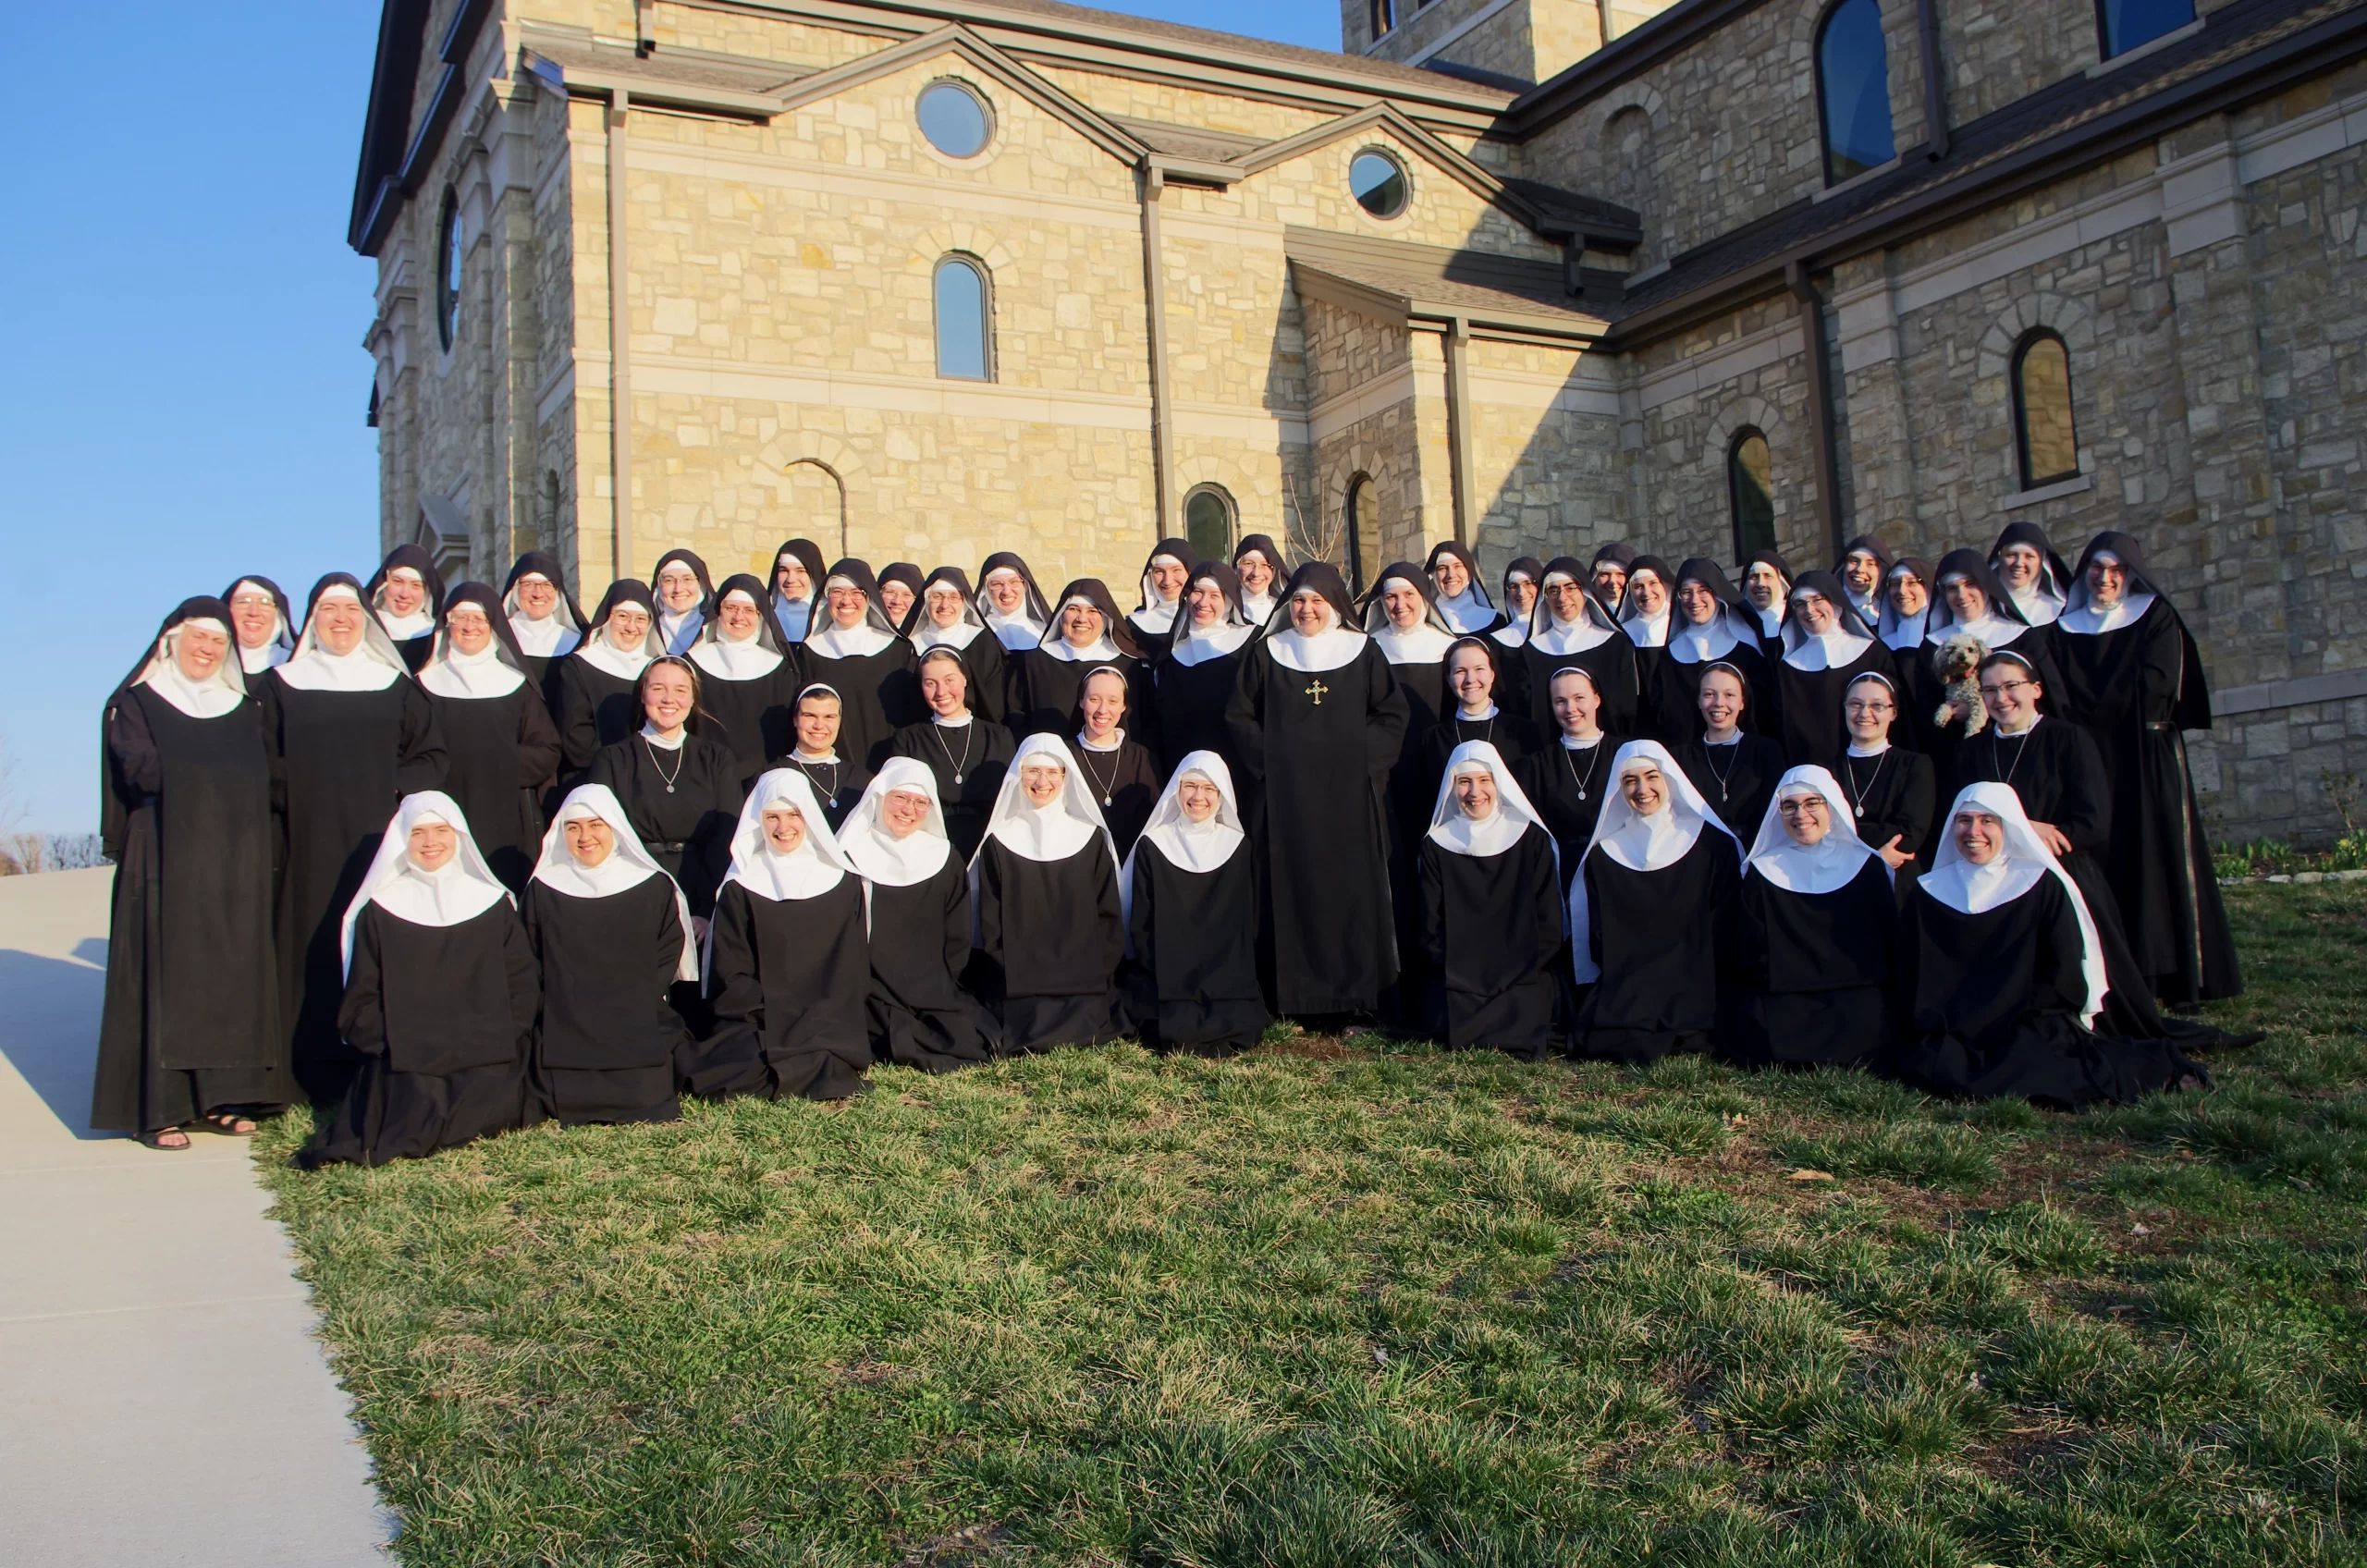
(1385, 16)
(1363, 535)
(1853, 88)
(2122, 24)
(1208, 523)
(2050, 450)
(1750, 491)
(962, 349)
(449, 258)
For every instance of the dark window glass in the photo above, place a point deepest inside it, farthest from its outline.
(1853, 83)
(1378, 182)
(1384, 15)
(448, 259)
(1750, 489)
(2042, 410)
(1208, 523)
(2127, 23)
(961, 319)
(1364, 535)
(954, 119)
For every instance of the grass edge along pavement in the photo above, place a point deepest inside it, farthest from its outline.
(1360, 1302)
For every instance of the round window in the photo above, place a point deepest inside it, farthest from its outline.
(954, 119)
(1378, 181)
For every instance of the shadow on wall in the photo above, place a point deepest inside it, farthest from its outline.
(52, 1038)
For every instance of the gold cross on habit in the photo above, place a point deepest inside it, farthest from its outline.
(1316, 691)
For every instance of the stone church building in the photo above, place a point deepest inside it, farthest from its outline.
(925, 278)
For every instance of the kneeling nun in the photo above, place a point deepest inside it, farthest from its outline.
(1492, 909)
(1815, 934)
(1051, 934)
(1191, 902)
(917, 1011)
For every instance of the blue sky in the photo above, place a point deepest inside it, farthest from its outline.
(182, 386)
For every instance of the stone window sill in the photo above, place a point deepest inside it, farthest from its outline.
(2174, 35)
(2033, 496)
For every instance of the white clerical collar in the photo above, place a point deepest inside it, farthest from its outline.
(1733, 739)
(467, 677)
(1117, 739)
(1197, 645)
(1571, 636)
(1582, 743)
(546, 638)
(255, 661)
(1420, 645)
(1467, 611)
(673, 743)
(860, 641)
(1463, 717)
(1873, 751)
(408, 628)
(1836, 649)
(2017, 734)
(1648, 631)
(949, 723)
(813, 759)
(726, 659)
(1327, 650)
(2084, 619)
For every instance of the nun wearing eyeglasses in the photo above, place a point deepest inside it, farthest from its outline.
(1491, 911)
(1051, 928)
(599, 683)
(917, 1012)
(1164, 575)
(1191, 684)
(1652, 915)
(747, 681)
(1890, 788)
(947, 616)
(612, 933)
(190, 1032)
(1571, 629)
(854, 648)
(406, 594)
(545, 620)
(787, 957)
(501, 749)
(1826, 646)
(441, 996)
(1191, 909)
(685, 599)
(262, 623)
(1086, 634)
(1815, 936)
(350, 734)
(2005, 977)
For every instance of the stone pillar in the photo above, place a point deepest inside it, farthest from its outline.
(1877, 454)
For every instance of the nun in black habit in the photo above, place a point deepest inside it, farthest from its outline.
(1709, 625)
(947, 616)
(1474, 675)
(1119, 772)
(680, 787)
(747, 681)
(1735, 770)
(797, 579)
(190, 1032)
(1086, 634)
(1890, 790)
(1767, 592)
(2031, 573)
(965, 755)
(899, 594)
(1572, 627)
(1191, 909)
(1015, 609)
(1458, 592)
(1825, 647)
(1051, 928)
(1259, 562)
(1971, 604)
(441, 995)
(1865, 563)
(262, 623)
(1648, 614)
(917, 1012)
(1492, 909)
(788, 957)
(1164, 576)
(500, 748)
(1316, 722)
(597, 682)
(612, 934)
(1191, 683)
(407, 595)
(839, 780)
(1606, 577)
(350, 734)
(1652, 915)
(685, 599)
(2132, 679)
(2005, 981)
(1568, 777)
(545, 620)
(1815, 936)
(856, 651)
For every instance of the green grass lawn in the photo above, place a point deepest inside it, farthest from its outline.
(1357, 1303)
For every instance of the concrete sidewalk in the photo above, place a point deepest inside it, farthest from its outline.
(161, 1393)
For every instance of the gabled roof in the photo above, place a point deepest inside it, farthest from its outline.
(1397, 281)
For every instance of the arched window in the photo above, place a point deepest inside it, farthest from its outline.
(1750, 492)
(1208, 523)
(1363, 535)
(814, 502)
(448, 259)
(2123, 25)
(2042, 431)
(1853, 88)
(963, 343)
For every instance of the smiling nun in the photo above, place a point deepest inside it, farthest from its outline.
(1571, 627)
(685, 596)
(1492, 909)
(1191, 909)
(747, 681)
(501, 750)
(1191, 683)
(1051, 929)
(1459, 593)
(1165, 571)
(854, 649)
(1826, 646)
(545, 620)
(947, 616)
(1816, 935)
(1086, 634)
(797, 578)
(406, 594)
(598, 705)
(917, 1012)
(264, 624)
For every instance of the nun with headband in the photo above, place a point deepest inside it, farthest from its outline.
(1709, 624)
(1191, 909)
(678, 786)
(598, 705)
(916, 1009)
(348, 733)
(261, 621)
(1890, 789)
(1568, 777)
(947, 616)
(1086, 634)
(747, 681)
(1316, 722)
(406, 594)
(1460, 596)
(441, 997)
(1051, 928)
(685, 598)
(789, 963)
(1259, 562)
(1572, 627)
(854, 648)
(1477, 711)
(1815, 936)
(797, 578)
(965, 754)
(1120, 772)
(1491, 911)
(839, 780)
(189, 1032)
(2005, 979)
(1165, 573)
(545, 620)
(1652, 915)
(501, 750)
(1826, 646)
(1735, 770)
(1192, 685)
(612, 934)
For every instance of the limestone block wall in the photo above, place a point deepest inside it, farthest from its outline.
(1546, 471)
(1530, 41)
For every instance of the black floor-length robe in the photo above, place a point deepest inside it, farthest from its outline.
(1491, 929)
(1612, 662)
(838, 785)
(1815, 973)
(1124, 782)
(443, 1019)
(752, 718)
(501, 754)
(687, 829)
(1993, 1002)
(980, 752)
(341, 762)
(1193, 975)
(1316, 749)
(917, 1012)
(595, 709)
(789, 979)
(604, 1049)
(1190, 701)
(1052, 935)
(191, 1022)
(879, 694)
(1808, 702)
(1661, 940)
(1738, 780)
(1567, 786)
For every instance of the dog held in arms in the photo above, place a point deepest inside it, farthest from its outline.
(1957, 664)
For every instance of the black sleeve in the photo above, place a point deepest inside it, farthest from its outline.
(2083, 802)
(990, 906)
(537, 741)
(579, 720)
(957, 926)
(272, 717)
(707, 854)
(2162, 664)
(609, 765)
(1749, 966)
(1433, 894)
(525, 982)
(1141, 921)
(1244, 715)
(1917, 803)
(361, 1014)
(2058, 983)
(131, 750)
(669, 943)
(1385, 716)
(732, 977)
(1552, 911)
(419, 758)
(1109, 910)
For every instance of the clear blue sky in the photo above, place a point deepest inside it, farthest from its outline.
(183, 385)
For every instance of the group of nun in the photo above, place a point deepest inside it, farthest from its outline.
(443, 860)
